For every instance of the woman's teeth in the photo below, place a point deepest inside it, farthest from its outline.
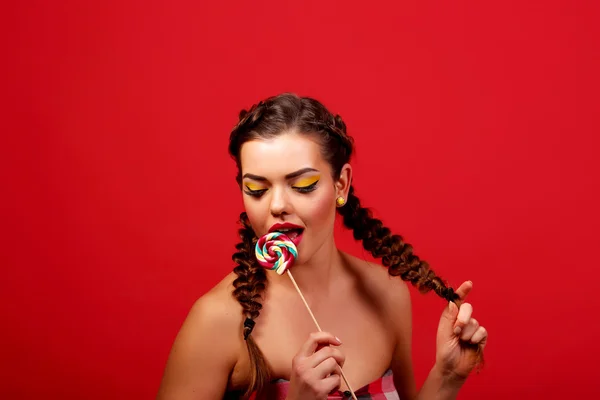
(292, 233)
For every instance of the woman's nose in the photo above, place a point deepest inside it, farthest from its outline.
(280, 203)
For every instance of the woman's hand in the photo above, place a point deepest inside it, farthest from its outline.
(315, 368)
(460, 338)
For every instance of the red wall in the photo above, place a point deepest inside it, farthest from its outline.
(475, 141)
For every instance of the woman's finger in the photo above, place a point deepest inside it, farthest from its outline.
(464, 314)
(464, 289)
(325, 353)
(326, 368)
(480, 336)
(331, 383)
(315, 339)
(469, 330)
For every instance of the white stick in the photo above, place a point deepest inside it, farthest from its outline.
(318, 327)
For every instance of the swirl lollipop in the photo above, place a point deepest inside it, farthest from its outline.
(276, 251)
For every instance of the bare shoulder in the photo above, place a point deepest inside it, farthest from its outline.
(219, 306)
(207, 347)
(391, 291)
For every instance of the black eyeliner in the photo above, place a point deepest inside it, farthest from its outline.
(307, 189)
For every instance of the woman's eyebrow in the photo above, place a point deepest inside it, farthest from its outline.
(288, 176)
(255, 177)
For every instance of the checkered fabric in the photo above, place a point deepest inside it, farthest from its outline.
(381, 389)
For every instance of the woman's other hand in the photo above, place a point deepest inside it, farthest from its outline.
(460, 338)
(316, 367)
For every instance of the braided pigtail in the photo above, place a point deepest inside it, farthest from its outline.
(249, 285)
(395, 254)
(376, 238)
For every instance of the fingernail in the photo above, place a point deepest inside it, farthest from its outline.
(338, 339)
(457, 330)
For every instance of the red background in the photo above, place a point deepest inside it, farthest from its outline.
(475, 141)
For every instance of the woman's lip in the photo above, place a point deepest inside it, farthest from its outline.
(286, 225)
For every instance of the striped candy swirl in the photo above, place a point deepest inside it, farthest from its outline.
(276, 251)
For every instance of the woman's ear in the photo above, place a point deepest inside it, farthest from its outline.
(342, 185)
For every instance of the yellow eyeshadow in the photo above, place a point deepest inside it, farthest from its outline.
(307, 181)
(253, 186)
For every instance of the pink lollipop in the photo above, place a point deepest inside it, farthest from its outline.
(276, 251)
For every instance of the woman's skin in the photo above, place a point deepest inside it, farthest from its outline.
(286, 179)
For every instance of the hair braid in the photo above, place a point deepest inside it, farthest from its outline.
(395, 254)
(249, 285)
(248, 118)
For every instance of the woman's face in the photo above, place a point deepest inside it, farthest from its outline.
(287, 185)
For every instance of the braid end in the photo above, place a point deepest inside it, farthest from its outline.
(248, 327)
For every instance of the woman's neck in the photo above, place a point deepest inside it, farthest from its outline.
(316, 276)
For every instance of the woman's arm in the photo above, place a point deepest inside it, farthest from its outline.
(204, 353)
(436, 386)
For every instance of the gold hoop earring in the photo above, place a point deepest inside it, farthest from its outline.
(340, 201)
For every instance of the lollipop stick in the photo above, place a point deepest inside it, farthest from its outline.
(318, 327)
(304, 300)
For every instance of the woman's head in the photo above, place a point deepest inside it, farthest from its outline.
(292, 157)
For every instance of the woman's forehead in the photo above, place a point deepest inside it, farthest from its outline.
(278, 156)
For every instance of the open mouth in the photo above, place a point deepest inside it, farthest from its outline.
(293, 234)
(292, 231)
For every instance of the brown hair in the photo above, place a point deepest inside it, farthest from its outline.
(304, 115)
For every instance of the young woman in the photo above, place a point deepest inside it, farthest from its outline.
(251, 334)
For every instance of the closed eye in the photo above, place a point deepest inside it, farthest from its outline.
(254, 193)
(306, 189)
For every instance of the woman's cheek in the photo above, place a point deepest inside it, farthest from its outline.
(323, 210)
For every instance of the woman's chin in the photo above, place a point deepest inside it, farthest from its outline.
(300, 260)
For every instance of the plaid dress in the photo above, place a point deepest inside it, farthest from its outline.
(381, 389)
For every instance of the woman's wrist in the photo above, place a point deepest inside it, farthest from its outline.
(447, 378)
(440, 385)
